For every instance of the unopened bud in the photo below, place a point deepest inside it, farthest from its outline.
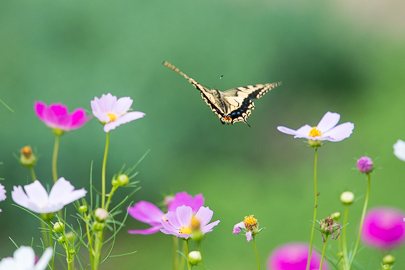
(82, 209)
(314, 143)
(61, 239)
(58, 227)
(335, 216)
(101, 214)
(197, 236)
(194, 257)
(120, 180)
(70, 237)
(365, 165)
(389, 259)
(97, 226)
(27, 157)
(347, 198)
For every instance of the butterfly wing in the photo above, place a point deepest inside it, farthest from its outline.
(239, 101)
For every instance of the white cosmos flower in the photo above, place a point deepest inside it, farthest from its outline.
(399, 150)
(326, 130)
(2, 193)
(113, 112)
(24, 259)
(35, 198)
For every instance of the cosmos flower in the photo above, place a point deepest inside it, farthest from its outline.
(183, 223)
(113, 112)
(326, 130)
(24, 259)
(293, 256)
(384, 228)
(57, 116)
(399, 150)
(35, 198)
(365, 165)
(2, 193)
(150, 214)
(249, 225)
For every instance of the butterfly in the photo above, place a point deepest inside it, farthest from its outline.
(233, 105)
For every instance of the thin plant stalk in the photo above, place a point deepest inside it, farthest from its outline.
(325, 242)
(55, 158)
(363, 214)
(343, 239)
(104, 168)
(187, 250)
(33, 174)
(175, 255)
(316, 195)
(256, 253)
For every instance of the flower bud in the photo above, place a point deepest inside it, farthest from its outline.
(389, 259)
(27, 157)
(120, 180)
(70, 237)
(97, 226)
(197, 236)
(82, 209)
(58, 227)
(61, 239)
(335, 216)
(365, 165)
(101, 214)
(347, 198)
(314, 143)
(48, 216)
(194, 257)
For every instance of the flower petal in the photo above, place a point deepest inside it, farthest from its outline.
(238, 227)
(249, 236)
(39, 108)
(122, 105)
(328, 121)
(126, 118)
(146, 212)
(286, 130)
(25, 257)
(399, 150)
(78, 118)
(204, 215)
(184, 215)
(340, 132)
(36, 193)
(148, 231)
(43, 262)
(303, 132)
(208, 228)
(19, 197)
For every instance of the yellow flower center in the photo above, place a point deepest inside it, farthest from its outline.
(250, 222)
(185, 230)
(112, 117)
(314, 132)
(195, 223)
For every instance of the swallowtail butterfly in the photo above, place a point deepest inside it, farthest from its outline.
(233, 105)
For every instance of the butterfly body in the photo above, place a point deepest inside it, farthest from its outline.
(233, 105)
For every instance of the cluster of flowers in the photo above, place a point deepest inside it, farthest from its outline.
(185, 217)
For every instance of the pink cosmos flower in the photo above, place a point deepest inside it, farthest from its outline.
(2, 193)
(150, 214)
(184, 223)
(35, 197)
(384, 228)
(326, 130)
(399, 150)
(113, 112)
(24, 259)
(365, 164)
(293, 256)
(57, 116)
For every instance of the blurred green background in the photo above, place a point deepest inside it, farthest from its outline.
(343, 56)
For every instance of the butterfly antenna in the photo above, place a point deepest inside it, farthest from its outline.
(175, 69)
(247, 123)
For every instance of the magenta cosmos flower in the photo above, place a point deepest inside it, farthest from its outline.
(113, 112)
(294, 256)
(183, 223)
(384, 228)
(326, 130)
(150, 214)
(58, 117)
(365, 164)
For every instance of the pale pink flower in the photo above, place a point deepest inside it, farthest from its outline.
(2, 193)
(399, 150)
(183, 222)
(113, 112)
(57, 116)
(326, 130)
(35, 197)
(24, 259)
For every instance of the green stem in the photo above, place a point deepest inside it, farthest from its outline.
(363, 214)
(323, 252)
(110, 195)
(33, 175)
(311, 240)
(175, 255)
(256, 253)
(186, 254)
(55, 158)
(343, 239)
(103, 170)
(97, 250)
